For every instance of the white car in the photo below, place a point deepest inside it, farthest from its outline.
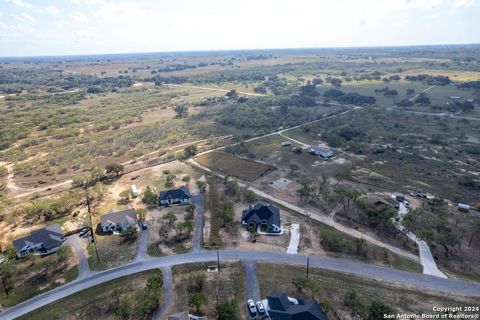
(251, 306)
(260, 307)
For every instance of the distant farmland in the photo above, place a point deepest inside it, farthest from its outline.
(232, 166)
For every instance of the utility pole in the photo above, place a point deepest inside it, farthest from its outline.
(218, 262)
(308, 265)
(4, 285)
(91, 224)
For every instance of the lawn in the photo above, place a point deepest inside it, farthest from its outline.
(98, 302)
(230, 165)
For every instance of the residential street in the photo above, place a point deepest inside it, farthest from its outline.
(78, 244)
(199, 213)
(167, 293)
(142, 245)
(417, 280)
(252, 289)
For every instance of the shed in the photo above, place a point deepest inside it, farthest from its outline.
(463, 207)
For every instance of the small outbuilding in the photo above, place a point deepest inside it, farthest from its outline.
(463, 207)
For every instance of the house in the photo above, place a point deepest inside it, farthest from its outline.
(45, 240)
(263, 216)
(175, 197)
(119, 221)
(184, 316)
(323, 153)
(282, 307)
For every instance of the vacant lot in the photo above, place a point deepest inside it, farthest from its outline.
(232, 166)
(100, 302)
(332, 289)
(218, 287)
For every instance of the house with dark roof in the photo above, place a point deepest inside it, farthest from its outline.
(265, 217)
(119, 221)
(282, 307)
(172, 197)
(45, 241)
(323, 153)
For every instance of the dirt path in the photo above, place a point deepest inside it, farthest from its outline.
(215, 89)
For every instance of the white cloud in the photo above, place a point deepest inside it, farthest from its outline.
(52, 10)
(463, 3)
(78, 16)
(24, 17)
(88, 2)
(21, 4)
(3, 26)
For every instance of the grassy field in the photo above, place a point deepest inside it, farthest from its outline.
(232, 166)
(332, 289)
(98, 302)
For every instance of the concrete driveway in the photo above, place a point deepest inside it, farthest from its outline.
(168, 293)
(79, 245)
(199, 221)
(294, 239)
(142, 245)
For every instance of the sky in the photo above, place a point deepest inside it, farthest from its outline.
(74, 27)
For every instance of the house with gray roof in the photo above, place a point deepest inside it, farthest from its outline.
(265, 217)
(172, 197)
(44, 241)
(282, 307)
(119, 221)
(323, 153)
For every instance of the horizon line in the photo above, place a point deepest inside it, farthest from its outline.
(236, 50)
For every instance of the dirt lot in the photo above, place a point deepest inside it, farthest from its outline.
(232, 166)
(228, 284)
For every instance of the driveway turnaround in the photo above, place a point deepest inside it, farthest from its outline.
(199, 213)
(416, 280)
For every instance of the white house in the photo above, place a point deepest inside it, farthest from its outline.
(45, 241)
(119, 221)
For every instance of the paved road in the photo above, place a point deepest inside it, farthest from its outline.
(78, 245)
(316, 216)
(252, 289)
(199, 216)
(417, 280)
(142, 245)
(167, 295)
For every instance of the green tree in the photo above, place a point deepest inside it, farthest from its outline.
(377, 310)
(149, 197)
(130, 233)
(227, 213)
(197, 299)
(190, 151)
(300, 283)
(186, 179)
(170, 217)
(227, 310)
(250, 196)
(115, 168)
(201, 185)
(181, 111)
(123, 308)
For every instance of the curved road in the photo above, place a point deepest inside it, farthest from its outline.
(418, 280)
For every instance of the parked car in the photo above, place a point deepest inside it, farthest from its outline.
(83, 232)
(406, 204)
(251, 306)
(144, 226)
(260, 307)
